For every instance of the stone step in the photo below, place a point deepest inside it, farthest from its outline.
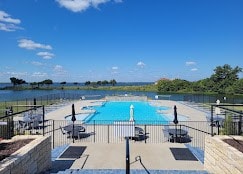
(133, 171)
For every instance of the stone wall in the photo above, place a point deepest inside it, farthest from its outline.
(34, 157)
(220, 157)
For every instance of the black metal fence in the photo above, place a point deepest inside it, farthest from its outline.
(50, 99)
(9, 127)
(59, 97)
(227, 118)
(98, 132)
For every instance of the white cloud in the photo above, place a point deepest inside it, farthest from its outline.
(58, 68)
(194, 69)
(189, 63)
(82, 5)
(37, 63)
(7, 23)
(17, 74)
(141, 64)
(31, 45)
(114, 68)
(39, 74)
(45, 55)
(59, 72)
(74, 5)
(9, 27)
(4, 17)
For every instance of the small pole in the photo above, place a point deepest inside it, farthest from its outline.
(73, 131)
(239, 124)
(43, 120)
(211, 120)
(145, 133)
(94, 131)
(217, 123)
(127, 156)
(53, 134)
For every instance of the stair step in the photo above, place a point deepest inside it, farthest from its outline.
(133, 171)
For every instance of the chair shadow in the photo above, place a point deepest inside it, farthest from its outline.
(140, 137)
(184, 139)
(82, 135)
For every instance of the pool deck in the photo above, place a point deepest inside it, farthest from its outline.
(191, 113)
(112, 156)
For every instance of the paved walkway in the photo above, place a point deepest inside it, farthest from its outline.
(112, 156)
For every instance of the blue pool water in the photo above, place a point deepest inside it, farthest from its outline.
(120, 111)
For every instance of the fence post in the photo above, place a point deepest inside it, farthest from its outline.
(239, 125)
(43, 120)
(53, 132)
(94, 131)
(211, 120)
(217, 124)
(127, 156)
(145, 133)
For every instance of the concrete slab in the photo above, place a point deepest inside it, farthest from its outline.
(112, 156)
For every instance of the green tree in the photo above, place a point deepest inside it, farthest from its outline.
(104, 82)
(13, 81)
(98, 82)
(16, 81)
(238, 86)
(113, 82)
(47, 82)
(204, 85)
(224, 77)
(87, 83)
(177, 85)
(181, 85)
(33, 84)
(165, 85)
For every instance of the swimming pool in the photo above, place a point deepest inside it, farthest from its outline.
(120, 111)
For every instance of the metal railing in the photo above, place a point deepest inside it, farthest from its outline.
(153, 132)
(50, 99)
(228, 120)
(98, 132)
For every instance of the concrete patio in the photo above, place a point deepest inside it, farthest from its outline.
(112, 156)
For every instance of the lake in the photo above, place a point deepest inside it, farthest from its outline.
(11, 95)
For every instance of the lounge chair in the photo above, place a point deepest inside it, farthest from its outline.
(139, 134)
(64, 132)
(22, 126)
(167, 136)
(83, 134)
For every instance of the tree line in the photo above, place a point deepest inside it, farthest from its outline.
(224, 80)
(99, 83)
(35, 85)
(18, 82)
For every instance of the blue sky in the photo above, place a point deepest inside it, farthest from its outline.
(126, 40)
